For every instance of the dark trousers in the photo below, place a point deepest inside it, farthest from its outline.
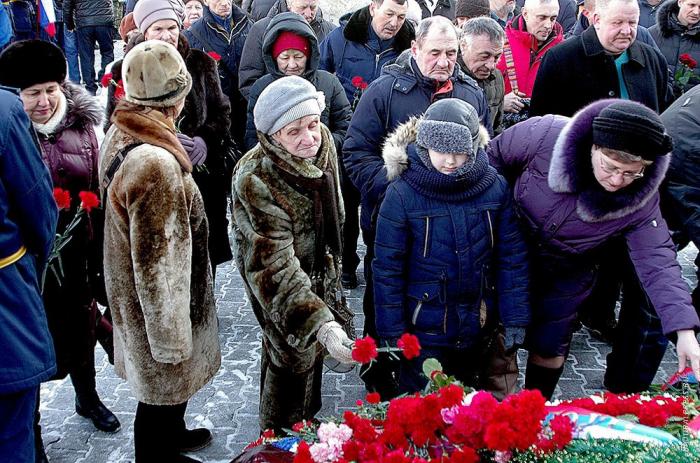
(157, 431)
(460, 363)
(87, 36)
(16, 426)
(351, 227)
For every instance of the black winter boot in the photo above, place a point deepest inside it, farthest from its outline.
(542, 378)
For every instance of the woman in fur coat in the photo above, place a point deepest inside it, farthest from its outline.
(157, 271)
(203, 125)
(288, 215)
(580, 183)
(67, 121)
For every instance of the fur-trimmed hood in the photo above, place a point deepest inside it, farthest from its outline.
(570, 172)
(75, 108)
(395, 149)
(667, 20)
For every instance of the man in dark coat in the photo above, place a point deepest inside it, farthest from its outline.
(365, 41)
(567, 13)
(583, 22)
(648, 10)
(252, 63)
(28, 216)
(582, 70)
(93, 20)
(419, 76)
(444, 8)
(677, 32)
(681, 189)
(221, 33)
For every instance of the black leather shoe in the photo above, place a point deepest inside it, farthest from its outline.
(194, 439)
(349, 280)
(101, 417)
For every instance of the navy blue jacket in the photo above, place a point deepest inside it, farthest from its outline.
(401, 92)
(438, 256)
(28, 218)
(348, 51)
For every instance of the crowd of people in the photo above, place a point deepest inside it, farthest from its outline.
(515, 169)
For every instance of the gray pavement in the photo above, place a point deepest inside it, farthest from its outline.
(228, 405)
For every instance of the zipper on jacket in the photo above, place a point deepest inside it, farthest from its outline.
(488, 216)
(416, 311)
(427, 234)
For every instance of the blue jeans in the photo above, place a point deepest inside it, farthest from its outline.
(87, 36)
(16, 426)
(70, 49)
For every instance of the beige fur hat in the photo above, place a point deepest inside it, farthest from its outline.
(155, 75)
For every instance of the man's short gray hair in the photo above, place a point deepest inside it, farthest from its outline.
(602, 5)
(482, 26)
(531, 3)
(440, 22)
(379, 2)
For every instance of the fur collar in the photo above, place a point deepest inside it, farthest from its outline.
(395, 152)
(150, 126)
(356, 30)
(76, 107)
(570, 172)
(667, 19)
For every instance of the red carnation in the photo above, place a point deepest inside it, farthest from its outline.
(409, 345)
(303, 453)
(373, 398)
(688, 60)
(106, 79)
(215, 56)
(359, 82)
(465, 455)
(364, 350)
(88, 200)
(652, 414)
(62, 198)
(119, 91)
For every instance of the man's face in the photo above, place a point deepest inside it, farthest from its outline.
(40, 101)
(388, 18)
(437, 55)
(305, 8)
(689, 12)
(193, 11)
(505, 6)
(301, 138)
(540, 19)
(616, 25)
(221, 8)
(480, 55)
(166, 30)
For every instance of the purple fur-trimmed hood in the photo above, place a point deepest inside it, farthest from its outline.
(570, 172)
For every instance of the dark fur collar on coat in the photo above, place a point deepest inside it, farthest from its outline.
(570, 172)
(667, 19)
(357, 30)
(82, 107)
(395, 151)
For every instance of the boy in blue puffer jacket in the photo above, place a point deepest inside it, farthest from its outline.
(449, 253)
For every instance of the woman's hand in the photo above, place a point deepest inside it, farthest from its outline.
(688, 349)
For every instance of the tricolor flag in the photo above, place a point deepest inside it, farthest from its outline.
(47, 16)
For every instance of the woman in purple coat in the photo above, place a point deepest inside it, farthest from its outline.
(580, 183)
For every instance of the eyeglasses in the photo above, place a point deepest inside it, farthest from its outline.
(612, 170)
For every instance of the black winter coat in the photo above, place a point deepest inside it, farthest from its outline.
(252, 62)
(207, 114)
(675, 39)
(444, 8)
(579, 71)
(80, 13)
(337, 114)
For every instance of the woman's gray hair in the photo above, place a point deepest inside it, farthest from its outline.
(476, 27)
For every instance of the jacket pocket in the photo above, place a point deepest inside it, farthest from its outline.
(427, 308)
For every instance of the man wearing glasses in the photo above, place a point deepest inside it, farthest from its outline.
(580, 185)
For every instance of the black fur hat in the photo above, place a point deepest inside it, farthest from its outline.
(30, 62)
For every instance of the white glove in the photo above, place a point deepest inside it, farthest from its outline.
(333, 337)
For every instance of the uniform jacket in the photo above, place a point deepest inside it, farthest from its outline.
(675, 39)
(252, 62)
(443, 247)
(157, 269)
(276, 249)
(444, 8)
(69, 148)
(336, 115)
(581, 64)
(207, 114)
(401, 92)
(80, 13)
(527, 53)
(28, 217)
(566, 216)
(348, 52)
(208, 36)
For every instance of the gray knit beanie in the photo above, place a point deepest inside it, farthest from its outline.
(472, 8)
(146, 12)
(449, 126)
(286, 100)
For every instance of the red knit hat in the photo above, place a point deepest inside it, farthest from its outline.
(289, 40)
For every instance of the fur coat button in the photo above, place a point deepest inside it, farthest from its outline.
(292, 341)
